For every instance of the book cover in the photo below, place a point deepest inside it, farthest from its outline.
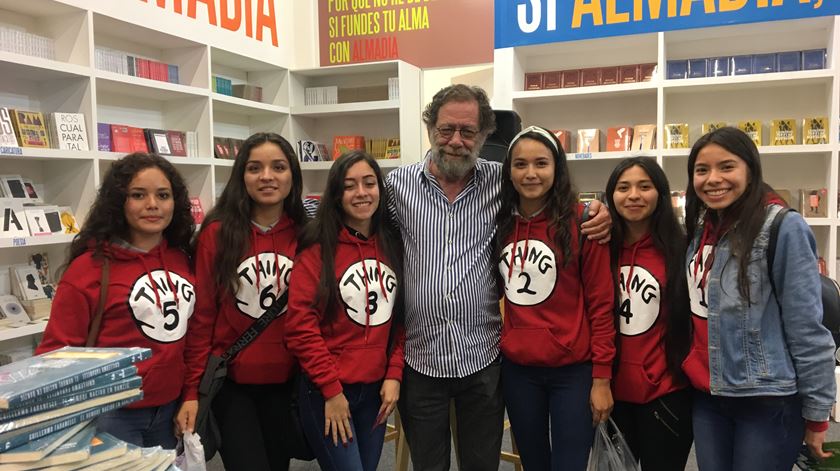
(552, 79)
(221, 148)
(82, 386)
(676, 136)
(533, 81)
(628, 74)
(644, 137)
(815, 130)
(13, 223)
(78, 400)
(120, 139)
(234, 145)
(130, 455)
(29, 455)
(712, 126)
(30, 286)
(392, 148)
(752, 129)
(196, 209)
(13, 186)
(103, 447)
(609, 75)
(70, 131)
(177, 143)
(619, 139)
(571, 78)
(588, 140)
(30, 129)
(343, 144)
(53, 218)
(813, 203)
(783, 132)
(42, 374)
(75, 449)
(103, 136)
(137, 138)
(159, 142)
(590, 77)
(646, 72)
(37, 220)
(7, 129)
(21, 436)
(71, 408)
(11, 310)
(68, 220)
(565, 138)
(31, 192)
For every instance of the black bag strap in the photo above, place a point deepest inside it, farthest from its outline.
(771, 248)
(257, 327)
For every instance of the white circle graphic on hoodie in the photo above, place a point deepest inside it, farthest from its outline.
(358, 301)
(169, 322)
(534, 282)
(696, 294)
(640, 297)
(253, 300)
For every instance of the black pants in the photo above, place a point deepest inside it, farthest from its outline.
(479, 413)
(250, 418)
(659, 432)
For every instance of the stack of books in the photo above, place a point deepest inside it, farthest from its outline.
(47, 403)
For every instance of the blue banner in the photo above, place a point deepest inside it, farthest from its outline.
(524, 22)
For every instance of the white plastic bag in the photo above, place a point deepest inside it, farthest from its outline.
(610, 451)
(190, 453)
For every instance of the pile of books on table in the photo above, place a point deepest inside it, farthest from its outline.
(48, 407)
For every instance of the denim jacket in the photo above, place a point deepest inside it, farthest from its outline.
(756, 350)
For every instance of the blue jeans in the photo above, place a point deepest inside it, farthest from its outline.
(361, 454)
(537, 397)
(761, 433)
(146, 426)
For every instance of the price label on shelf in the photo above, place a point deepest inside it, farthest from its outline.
(11, 150)
(583, 156)
(19, 241)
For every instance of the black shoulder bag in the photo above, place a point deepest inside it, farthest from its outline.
(215, 373)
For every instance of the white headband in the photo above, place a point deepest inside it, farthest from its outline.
(535, 129)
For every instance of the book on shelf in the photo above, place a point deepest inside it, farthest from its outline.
(137, 137)
(192, 144)
(53, 218)
(30, 128)
(588, 140)
(619, 138)
(644, 137)
(41, 262)
(120, 139)
(37, 221)
(196, 209)
(26, 283)
(177, 143)
(813, 203)
(68, 220)
(815, 130)
(247, 92)
(30, 455)
(221, 148)
(712, 126)
(8, 138)
(235, 145)
(312, 151)
(393, 88)
(31, 191)
(13, 223)
(17, 437)
(565, 138)
(11, 311)
(68, 131)
(783, 132)
(392, 148)
(42, 374)
(676, 136)
(752, 129)
(343, 144)
(38, 309)
(157, 141)
(103, 137)
(13, 186)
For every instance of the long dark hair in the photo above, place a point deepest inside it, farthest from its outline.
(669, 239)
(324, 230)
(233, 210)
(560, 200)
(106, 219)
(746, 215)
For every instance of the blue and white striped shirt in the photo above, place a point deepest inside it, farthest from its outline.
(452, 320)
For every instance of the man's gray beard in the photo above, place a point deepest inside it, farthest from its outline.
(454, 169)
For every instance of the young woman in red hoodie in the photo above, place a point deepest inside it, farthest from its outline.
(558, 333)
(652, 397)
(243, 260)
(140, 226)
(345, 320)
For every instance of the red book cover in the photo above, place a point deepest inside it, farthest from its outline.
(138, 139)
(120, 139)
(164, 72)
(552, 79)
(196, 209)
(342, 144)
(565, 138)
(571, 78)
(609, 75)
(619, 138)
(590, 77)
(177, 141)
(143, 68)
(628, 74)
(533, 81)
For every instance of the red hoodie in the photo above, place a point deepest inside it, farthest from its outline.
(138, 313)
(555, 315)
(642, 373)
(353, 348)
(224, 317)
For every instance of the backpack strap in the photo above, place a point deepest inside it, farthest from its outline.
(581, 236)
(771, 248)
(96, 323)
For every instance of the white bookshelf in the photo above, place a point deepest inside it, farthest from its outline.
(731, 99)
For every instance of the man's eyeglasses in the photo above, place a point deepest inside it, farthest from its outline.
(448, 132)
